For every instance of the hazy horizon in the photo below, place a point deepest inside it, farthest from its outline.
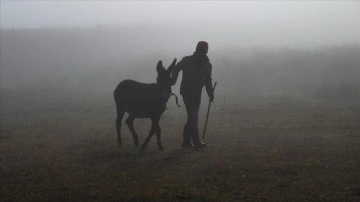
(255, 47)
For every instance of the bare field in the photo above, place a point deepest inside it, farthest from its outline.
(62, 147)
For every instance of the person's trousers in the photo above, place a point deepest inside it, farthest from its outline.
(191, 131)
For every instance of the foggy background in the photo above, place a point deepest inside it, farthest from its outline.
(300, 48)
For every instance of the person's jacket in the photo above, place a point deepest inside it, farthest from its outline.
(196, 73)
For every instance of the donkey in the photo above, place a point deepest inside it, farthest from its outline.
(141, 100)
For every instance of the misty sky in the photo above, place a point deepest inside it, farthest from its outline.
(327, 21)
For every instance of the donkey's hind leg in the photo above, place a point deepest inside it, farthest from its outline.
(120, 114)
(130, 123)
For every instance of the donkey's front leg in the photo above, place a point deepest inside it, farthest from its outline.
(147, 139)
(155, 123)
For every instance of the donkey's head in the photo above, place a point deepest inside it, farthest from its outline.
(163, 79)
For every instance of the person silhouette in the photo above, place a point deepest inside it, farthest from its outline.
(196, 72)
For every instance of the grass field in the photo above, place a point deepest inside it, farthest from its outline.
(62, 147)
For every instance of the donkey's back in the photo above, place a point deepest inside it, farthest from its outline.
(137, 99)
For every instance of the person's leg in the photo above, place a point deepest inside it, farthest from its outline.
(196, 135)
(187, 128)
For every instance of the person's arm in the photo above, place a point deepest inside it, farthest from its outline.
(175, 72)
(208, 82)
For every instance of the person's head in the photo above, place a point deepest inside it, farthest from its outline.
(202, 47)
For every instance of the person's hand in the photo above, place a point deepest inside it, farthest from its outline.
(211, 98)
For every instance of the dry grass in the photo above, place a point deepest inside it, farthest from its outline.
(59, 147)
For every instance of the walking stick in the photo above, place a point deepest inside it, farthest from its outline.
(208, 111)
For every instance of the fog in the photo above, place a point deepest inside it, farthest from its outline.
(221, 23)
(304, 48)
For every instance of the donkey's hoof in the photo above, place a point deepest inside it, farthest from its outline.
(143, 147)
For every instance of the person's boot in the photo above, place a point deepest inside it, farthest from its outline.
(187, 138)
(196, 139)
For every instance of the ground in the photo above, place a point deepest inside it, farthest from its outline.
(59, 146)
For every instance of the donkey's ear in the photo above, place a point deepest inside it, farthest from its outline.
(159, 66)
(171, 67)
